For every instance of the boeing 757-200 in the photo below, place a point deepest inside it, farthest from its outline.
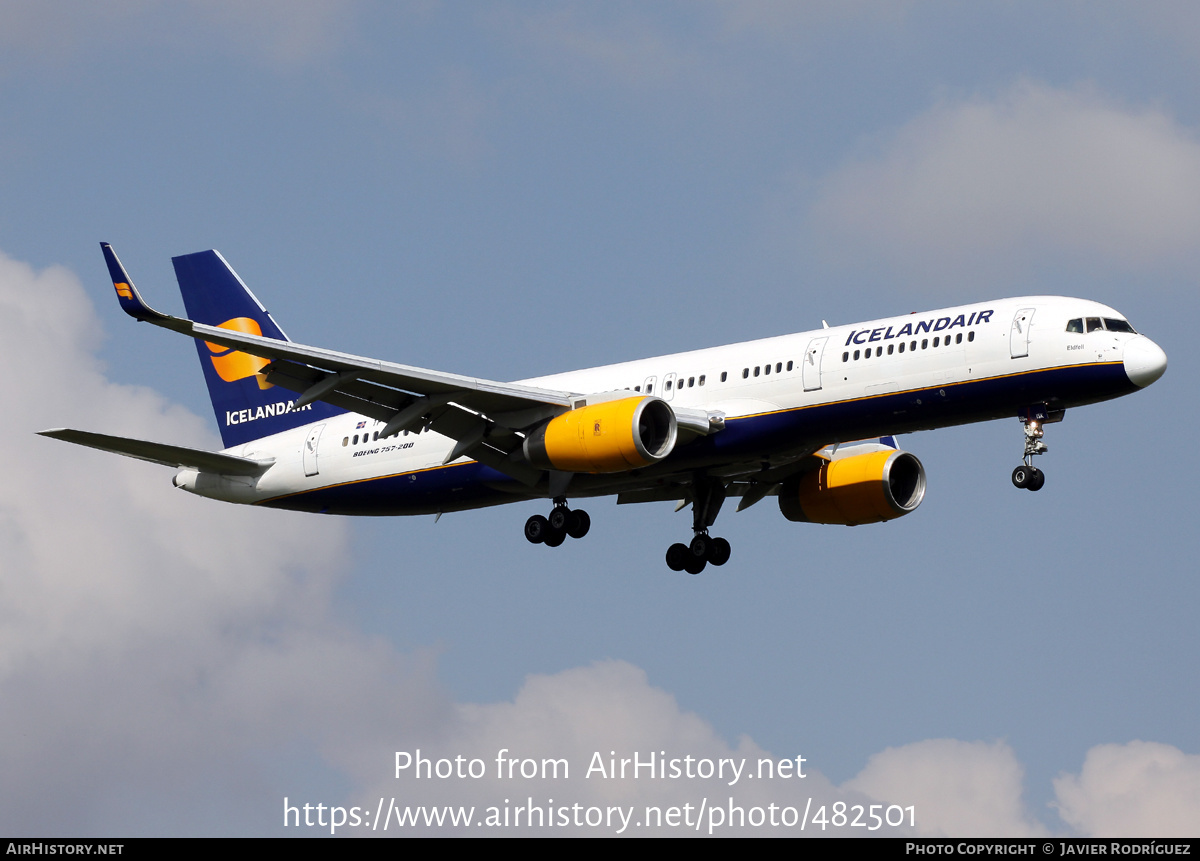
(808, 418)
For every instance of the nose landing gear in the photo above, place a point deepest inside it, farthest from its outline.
(553, 530)
(707, 496)
(1027, 476)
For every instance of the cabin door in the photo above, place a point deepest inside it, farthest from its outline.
(310, 450)
(812, 364)
(1018, 336)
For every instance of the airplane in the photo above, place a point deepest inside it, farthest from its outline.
(809, 418)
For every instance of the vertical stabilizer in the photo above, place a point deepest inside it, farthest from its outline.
(246, 405)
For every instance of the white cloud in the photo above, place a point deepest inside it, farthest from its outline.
(607, 710)
(1139, 789)
(982, 188)
(959, 789)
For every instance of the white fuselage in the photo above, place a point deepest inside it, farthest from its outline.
(782, 398)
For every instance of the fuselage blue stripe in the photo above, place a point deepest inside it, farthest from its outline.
(473, 485)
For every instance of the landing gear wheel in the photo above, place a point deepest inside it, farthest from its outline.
(554, 537)
(700, 547)
(578, 523)
(678, 556)
(695, 565)
(1021, 476)
(536, 529)
(1037, 479)
(718, 553)
(558, 518)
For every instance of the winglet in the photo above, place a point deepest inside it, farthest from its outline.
(131, 301)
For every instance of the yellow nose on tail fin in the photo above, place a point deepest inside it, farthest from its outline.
(232, 365)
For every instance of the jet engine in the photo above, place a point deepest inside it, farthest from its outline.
(861, 488)
(612, 436)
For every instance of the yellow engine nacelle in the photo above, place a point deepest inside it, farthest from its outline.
(862, 488)
(613, 436)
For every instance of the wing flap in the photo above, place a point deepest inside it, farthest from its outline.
(367, 399)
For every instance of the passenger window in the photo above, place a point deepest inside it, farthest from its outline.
(668, 385)
(356, 439)
(901, 346)
(971, 335)
(958, 338)
(745, 373)
(1075, 325)
(913, 345)
(789, 366)
(935, 342)
(756, 370)
(767, 369)
(637, 388)
(345, 441)
(891, 347)
(856, 355)
(691, 382)
(845, 357)
(702, 379)
(1093, 323)
(878, 351)
(924, 343)
(778, 367)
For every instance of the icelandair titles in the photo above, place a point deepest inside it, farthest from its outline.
(881, 334)
(241, 417)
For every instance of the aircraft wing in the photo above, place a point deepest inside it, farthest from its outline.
(167, 455)
(469, 391)
(480, 415)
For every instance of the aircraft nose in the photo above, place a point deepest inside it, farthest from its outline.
(1145, 361)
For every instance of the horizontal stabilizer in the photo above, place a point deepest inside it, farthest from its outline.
(167, 455)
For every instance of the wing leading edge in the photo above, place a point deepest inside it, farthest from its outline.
(482, 416)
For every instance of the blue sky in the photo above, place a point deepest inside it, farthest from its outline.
(506, 190)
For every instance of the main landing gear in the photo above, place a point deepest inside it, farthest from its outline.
(707, 496)
(553, 530)
(1027, 476)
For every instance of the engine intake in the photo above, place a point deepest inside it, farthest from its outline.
(863, 488)
(613, 436)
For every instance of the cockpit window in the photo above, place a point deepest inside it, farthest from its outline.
(1093, 323)
(1075, 325)
(1118, 326)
